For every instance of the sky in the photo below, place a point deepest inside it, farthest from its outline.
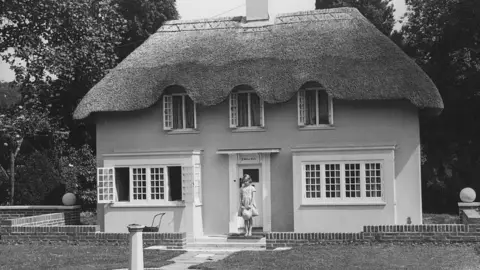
(196, 9)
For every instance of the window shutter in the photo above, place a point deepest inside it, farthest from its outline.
(262, 113)
(106, 185)
(195, 115)
(167, 112)
(187, 183)
(233, 110)
(301, 107)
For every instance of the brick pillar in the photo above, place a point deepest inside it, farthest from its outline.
(136, 247)
(466, 206)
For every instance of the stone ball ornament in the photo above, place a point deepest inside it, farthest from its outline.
(467, 195)
(69, 199)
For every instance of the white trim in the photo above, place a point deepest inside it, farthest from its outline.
(343, 203)
(342, 199)
(332, 148)
(266, 192)
(153, 153)
(234, 117)
(232, 187)
(233, 184)
(169, 204)
(302, 107)
(248, 151)
(184, 113)
(233, 110)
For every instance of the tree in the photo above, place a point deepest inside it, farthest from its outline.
(78, 41)
(143, 17)
(16, 124)
(443, 37)
(378, 12)
(65, 47)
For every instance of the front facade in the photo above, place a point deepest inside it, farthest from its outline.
(306, 104)
(362, 170)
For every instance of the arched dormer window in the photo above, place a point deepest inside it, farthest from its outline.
(315, 108)
(179, 110)
(246, 109)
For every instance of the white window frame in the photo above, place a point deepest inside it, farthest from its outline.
(343, 198)
(168, 111)
(301, 108)
(148, 200)
(233, 110)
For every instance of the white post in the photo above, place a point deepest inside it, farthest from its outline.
(136, 247)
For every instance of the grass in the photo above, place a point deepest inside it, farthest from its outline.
(355, 256)
(70, 257)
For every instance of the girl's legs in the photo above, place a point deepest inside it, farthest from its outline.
(245, 223)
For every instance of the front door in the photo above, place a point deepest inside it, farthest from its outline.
(256, 175)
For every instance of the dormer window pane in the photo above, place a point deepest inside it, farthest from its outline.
(177, 112)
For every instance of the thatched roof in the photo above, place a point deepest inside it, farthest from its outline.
(338, 48)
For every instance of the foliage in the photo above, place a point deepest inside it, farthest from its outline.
(44, 175)
(378, 12)
(64, 48)
(443, 38)
(9, 95)
(143, 17)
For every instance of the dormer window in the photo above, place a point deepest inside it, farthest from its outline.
(315, 108)
(246, 110)
(179, 112)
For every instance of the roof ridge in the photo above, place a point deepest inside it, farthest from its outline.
(239, 21)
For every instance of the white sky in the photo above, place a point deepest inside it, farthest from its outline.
(195, 9)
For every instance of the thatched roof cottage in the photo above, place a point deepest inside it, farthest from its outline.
(318, 107)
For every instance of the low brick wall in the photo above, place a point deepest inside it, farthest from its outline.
(56, 219)
(387, 233)
(84, 235)
(71, 213)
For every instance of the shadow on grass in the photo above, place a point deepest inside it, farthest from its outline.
(357, 256)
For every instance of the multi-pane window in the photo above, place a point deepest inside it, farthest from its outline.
(157, 183)
(140, 184)
(342, 181)
(312, 181)
(332, 180)
(139, 181)
(246, 110)
(179, 112)
(314, 108)
(352, 180)
(373, 180)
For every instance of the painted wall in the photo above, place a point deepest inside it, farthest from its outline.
(116, 219)
(355, 123)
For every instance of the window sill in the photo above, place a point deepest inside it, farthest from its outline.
(317, 127)
(183, 131)
(343, 204)
(249, 129)
(146, 205)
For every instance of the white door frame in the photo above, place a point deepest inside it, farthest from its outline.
(259, 186)
(264, 163)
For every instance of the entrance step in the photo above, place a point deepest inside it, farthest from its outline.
(224, 242)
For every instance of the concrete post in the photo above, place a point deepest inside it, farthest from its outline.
(136, 247)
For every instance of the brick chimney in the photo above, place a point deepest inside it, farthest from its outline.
(259, 10)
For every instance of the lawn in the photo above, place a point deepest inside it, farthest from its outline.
(355, 256)
(69, 257)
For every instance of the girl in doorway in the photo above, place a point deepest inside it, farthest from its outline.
(248, 208)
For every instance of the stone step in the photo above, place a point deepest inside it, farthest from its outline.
(225, 245)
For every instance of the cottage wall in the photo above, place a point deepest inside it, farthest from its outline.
(356, 123)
